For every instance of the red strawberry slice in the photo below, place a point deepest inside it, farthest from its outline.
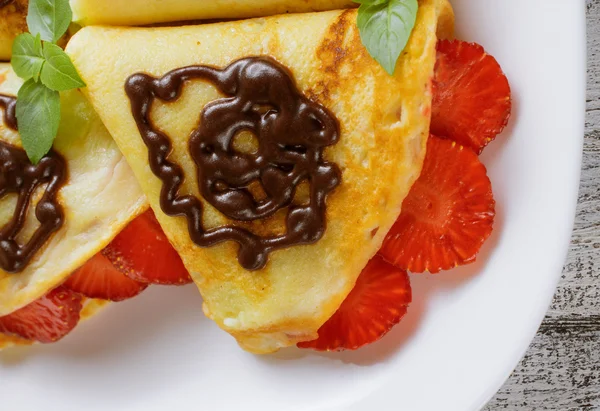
(471, 95)
(448, 214)
(143, 253)
(47, 319)
(378, 301)
(99, 278)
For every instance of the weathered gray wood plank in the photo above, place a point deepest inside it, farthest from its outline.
(593, 98)
(561, 370)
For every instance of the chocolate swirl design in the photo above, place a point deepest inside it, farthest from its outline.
(19, 176)
(292, 131)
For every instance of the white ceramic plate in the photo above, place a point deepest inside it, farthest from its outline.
(465, 331)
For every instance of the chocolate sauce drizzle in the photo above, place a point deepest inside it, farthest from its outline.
(292, 131)
(19, 176)
(4, 3)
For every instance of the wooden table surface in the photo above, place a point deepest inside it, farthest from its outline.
(561, 370)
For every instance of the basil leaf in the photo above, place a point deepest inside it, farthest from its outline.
(59, 73)
(49, 18)
(27, 59)
(38, 116)
(385, 28)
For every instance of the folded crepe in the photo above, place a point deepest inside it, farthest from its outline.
(275, 152)
(141, 12)
(94, 189)
(12, 23)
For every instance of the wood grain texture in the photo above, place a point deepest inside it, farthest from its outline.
(561, 370)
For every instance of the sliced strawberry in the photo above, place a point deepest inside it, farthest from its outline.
(143, 253)
(99, 278)
(471, 95)
(378, 301)
(47, 319)
(448, 214)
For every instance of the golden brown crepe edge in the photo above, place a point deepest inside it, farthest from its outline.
(260, 341)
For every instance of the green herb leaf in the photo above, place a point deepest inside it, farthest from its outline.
(27, 59)
(385, 27)
(38, 103)
(49, 18)
(38, 116)
(59, 73)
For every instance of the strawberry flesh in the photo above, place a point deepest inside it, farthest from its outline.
(448, 214)
(471, 95)
(143, 253)
(99, 278)
(378, 301)
(47, 319)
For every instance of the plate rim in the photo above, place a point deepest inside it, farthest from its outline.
(539, 313)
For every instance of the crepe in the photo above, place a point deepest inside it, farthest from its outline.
(142, 12)
(99, 198)
(383, 129)
(12, 23)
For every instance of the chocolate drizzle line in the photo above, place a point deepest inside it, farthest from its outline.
(9, 104)
(292, 131)
(19, 176)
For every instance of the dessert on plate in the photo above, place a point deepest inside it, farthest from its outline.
(59, 213)
(274, 232)
(297, 177)
(73, 226)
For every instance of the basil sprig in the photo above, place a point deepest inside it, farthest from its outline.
(46, 69)
(385, 27)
